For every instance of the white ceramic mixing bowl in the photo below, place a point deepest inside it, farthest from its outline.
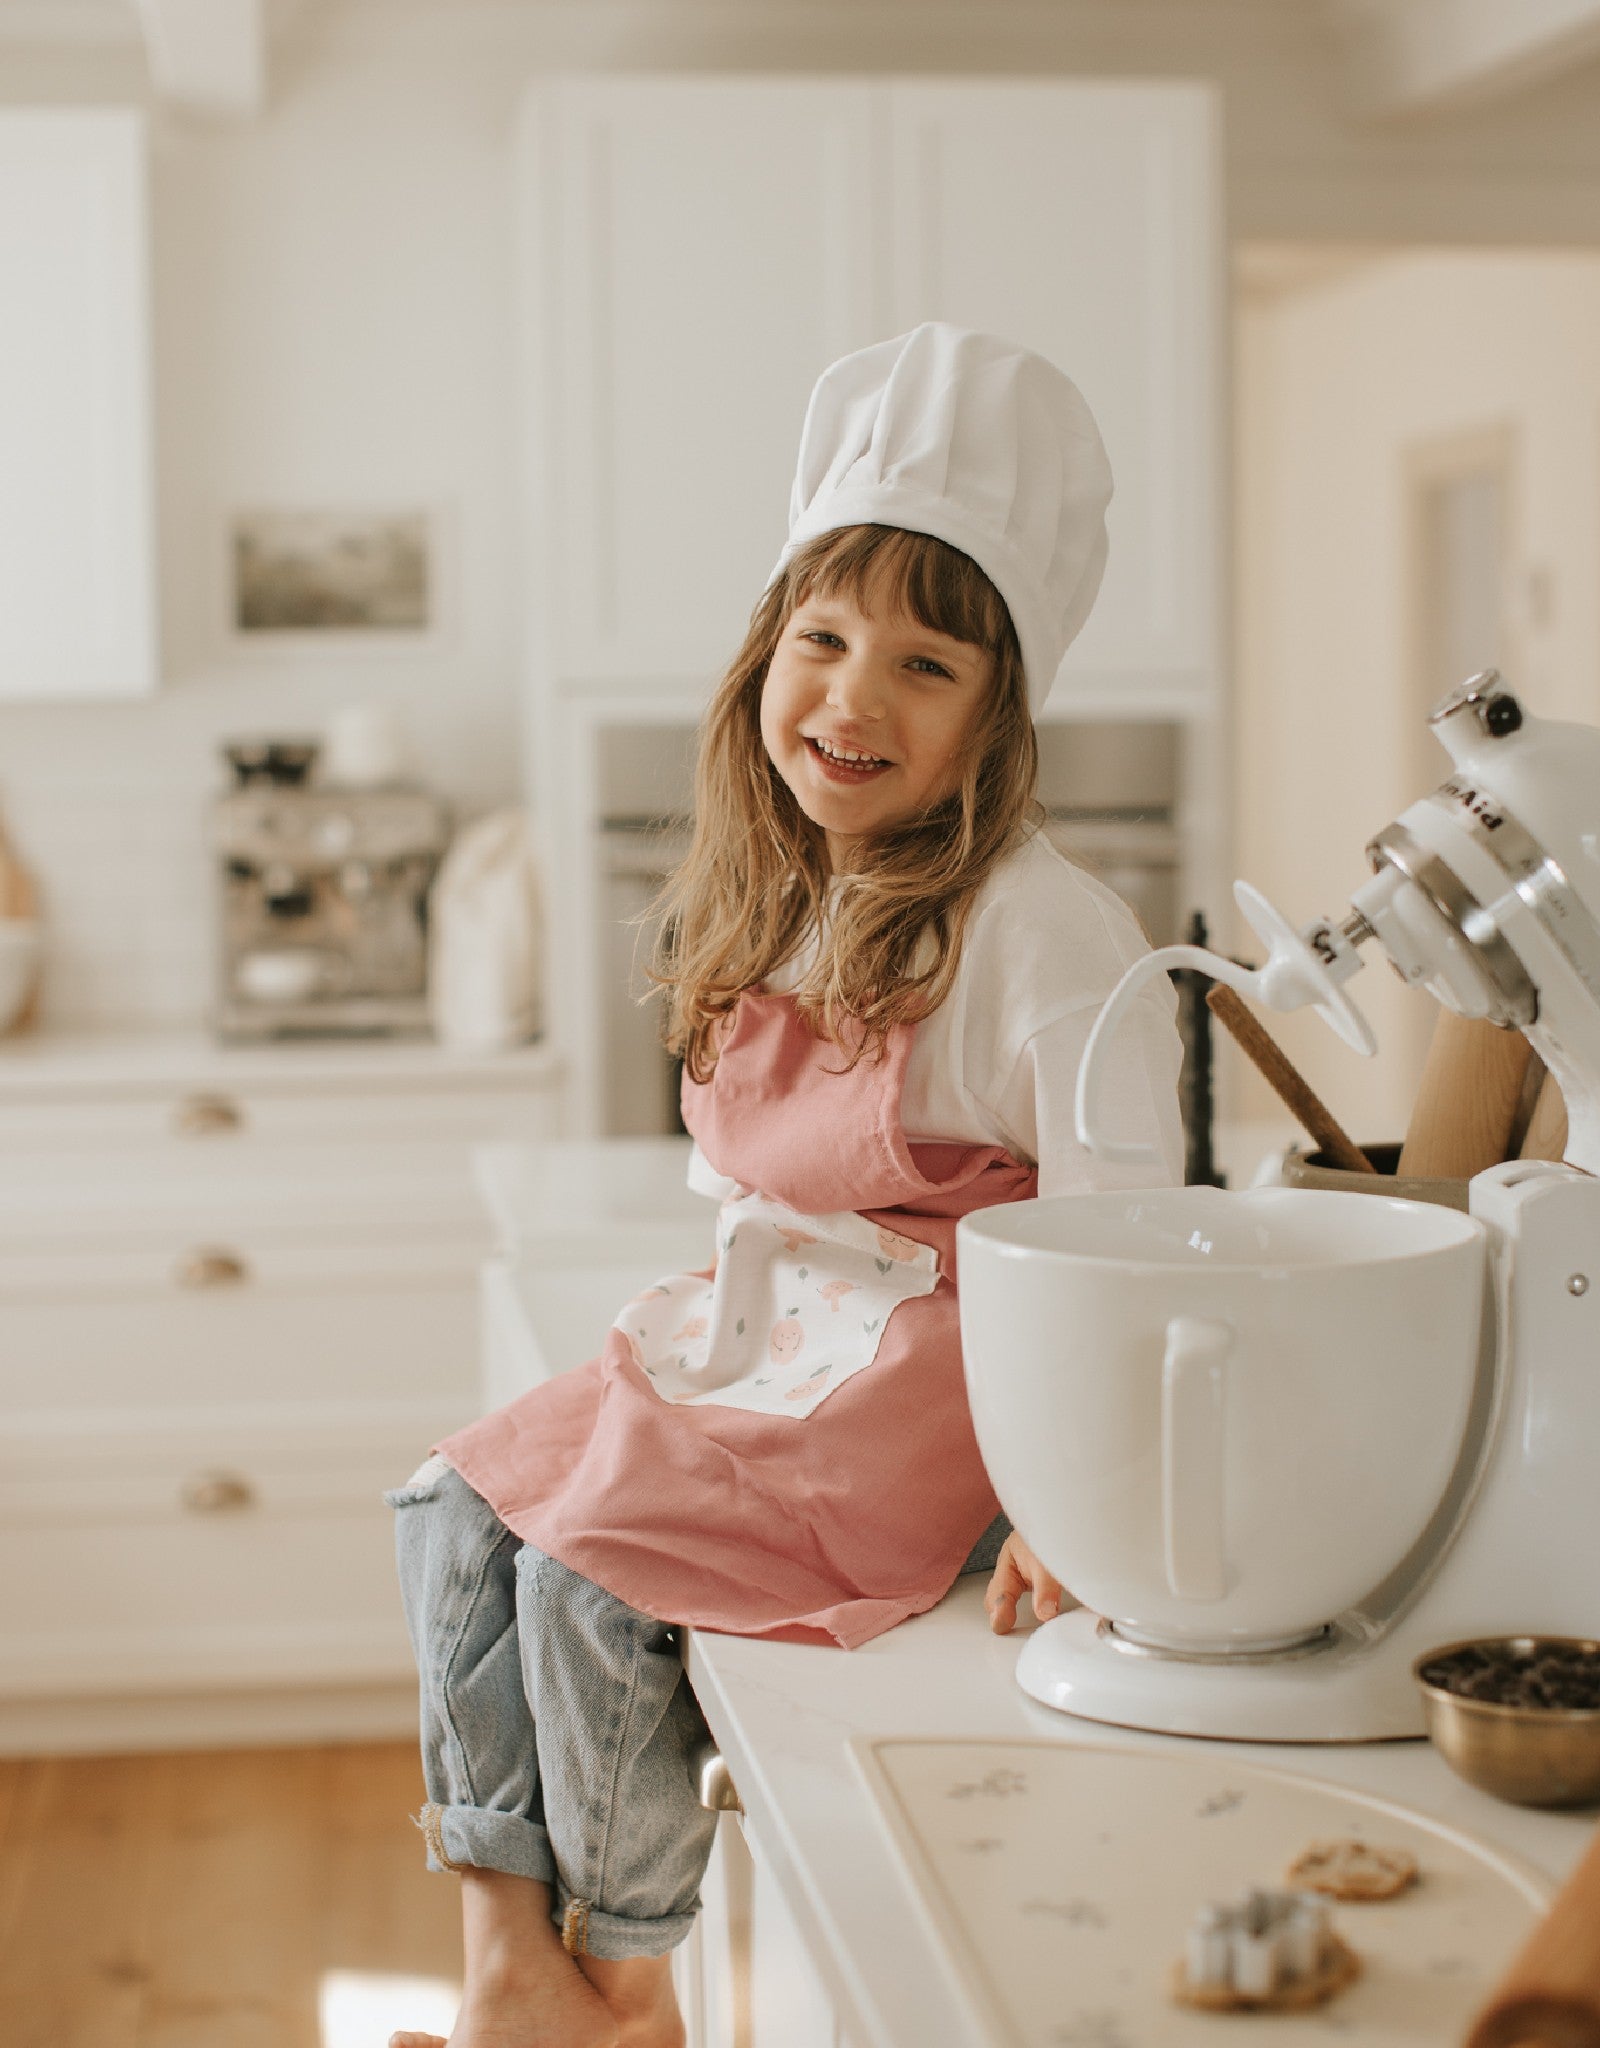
(1220, 1419)
(19, 962)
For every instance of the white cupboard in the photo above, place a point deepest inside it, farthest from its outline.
(695, 250)
(231, 1315)
(699, 249)
(77, 531)
(1083, 221)
(744, 1977)
(707, 247)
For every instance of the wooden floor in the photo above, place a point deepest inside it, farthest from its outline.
(197, 1900)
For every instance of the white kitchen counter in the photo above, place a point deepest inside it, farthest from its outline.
(783, 1715)
(573, 1195)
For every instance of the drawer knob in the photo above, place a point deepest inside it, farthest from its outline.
(210, 1266)
(202, 1114)
(712, 1780)
(216, 1493)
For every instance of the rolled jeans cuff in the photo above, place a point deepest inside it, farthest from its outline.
(472, 1838)
(586, 1931)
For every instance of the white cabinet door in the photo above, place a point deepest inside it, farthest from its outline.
(77, 606)
(789, 2007)
(1083, 219)
(745, 1978)
(705, 250)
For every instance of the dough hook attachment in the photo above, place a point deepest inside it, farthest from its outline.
(1303, 969)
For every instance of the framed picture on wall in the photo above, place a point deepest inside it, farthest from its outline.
(333, 574)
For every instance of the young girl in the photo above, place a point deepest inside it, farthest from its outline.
(881, 976)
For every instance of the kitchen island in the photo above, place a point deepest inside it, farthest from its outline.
(820, 1932)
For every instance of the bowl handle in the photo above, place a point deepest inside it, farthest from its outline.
(1193, 1499)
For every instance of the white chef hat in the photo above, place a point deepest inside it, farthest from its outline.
(984, 445)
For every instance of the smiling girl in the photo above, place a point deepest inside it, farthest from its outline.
(880, 975)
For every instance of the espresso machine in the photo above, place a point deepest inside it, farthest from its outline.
(1282, 1442)
(323, 894)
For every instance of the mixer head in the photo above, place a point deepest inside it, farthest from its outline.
(1504, 852)
(1487, 892)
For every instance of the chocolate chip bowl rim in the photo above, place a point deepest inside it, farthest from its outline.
(1526, 1645)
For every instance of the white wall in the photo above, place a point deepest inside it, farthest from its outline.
(1339, 386)
(333, 299)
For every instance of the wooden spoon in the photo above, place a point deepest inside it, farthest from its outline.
(1547, 1128)
(1228, 1006)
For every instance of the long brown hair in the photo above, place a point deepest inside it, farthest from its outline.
(755, 883)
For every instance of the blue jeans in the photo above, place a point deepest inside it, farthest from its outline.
(557, 1726)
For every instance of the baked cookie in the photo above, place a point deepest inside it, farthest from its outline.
(1338, 1966)
(1355, 1872)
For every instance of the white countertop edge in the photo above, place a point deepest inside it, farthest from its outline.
(628, 1193)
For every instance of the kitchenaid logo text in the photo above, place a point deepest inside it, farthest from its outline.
(1479, 805)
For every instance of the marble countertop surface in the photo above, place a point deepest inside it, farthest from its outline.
(784, 1716)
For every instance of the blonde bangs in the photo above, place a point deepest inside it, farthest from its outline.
(907, 575)
(755, 885)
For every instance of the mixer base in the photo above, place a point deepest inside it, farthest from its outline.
(1132, 1645)
(1342, 1688)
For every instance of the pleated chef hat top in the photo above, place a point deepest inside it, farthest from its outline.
(980, 443)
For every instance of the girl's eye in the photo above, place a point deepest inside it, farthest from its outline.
(823, 639)
(926, 665)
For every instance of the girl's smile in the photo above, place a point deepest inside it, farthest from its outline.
(844, 764)
(867, 714)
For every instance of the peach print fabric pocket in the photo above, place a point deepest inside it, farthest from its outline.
(797, 1306)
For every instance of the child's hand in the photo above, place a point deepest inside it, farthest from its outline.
(1015, 1572)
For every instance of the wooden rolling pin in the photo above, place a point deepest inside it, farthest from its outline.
(1466, 1107)
(1547, 1128)
(1308, 1108)
(18, 898)
(1551, 1993)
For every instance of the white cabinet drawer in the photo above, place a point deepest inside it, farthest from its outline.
(163, 1196)
(207, 1119)
(274, 1340)
(205, 1557)
(193, 1255)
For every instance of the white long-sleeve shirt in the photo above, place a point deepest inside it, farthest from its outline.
(997, 1062)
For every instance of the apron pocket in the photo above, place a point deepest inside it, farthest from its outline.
(797, 1306)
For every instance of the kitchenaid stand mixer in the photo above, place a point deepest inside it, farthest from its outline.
(1139, 1465)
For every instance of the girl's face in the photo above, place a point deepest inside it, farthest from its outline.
(867, 715)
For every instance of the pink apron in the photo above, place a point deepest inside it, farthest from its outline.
(805, 1507)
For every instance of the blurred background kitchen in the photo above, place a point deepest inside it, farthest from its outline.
(397, 400)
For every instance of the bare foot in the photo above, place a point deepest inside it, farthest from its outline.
(641, 1999)
(558, 2011)
(549, 2017)
(522, 1988)
(548, 2014)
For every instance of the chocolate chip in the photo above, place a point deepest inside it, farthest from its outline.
(1558, 1677)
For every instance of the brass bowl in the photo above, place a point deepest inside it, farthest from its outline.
(1533, 1756)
